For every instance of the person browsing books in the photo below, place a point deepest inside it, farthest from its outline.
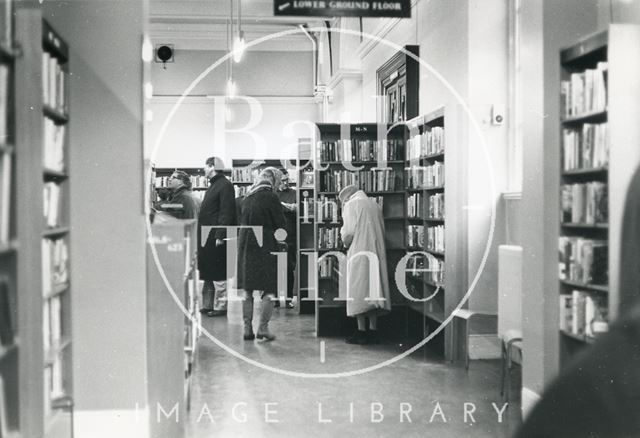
(362, 233)
(181, 194)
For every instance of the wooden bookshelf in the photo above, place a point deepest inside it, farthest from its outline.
(243, 177)
(306, 286)
(175, 334)
(11, 348)
(597, 158)
(43, 241)
(330, 311)
(426, 147)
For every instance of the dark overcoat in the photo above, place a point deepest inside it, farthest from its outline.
(257, 267)
(184, 197)
(218, 208)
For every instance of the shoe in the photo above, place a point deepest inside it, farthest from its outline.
(266, 310)
(247, 318)
(360, 338)
(265, 336)
(372, 337)
(205, 310)
(217, 313)
(290, 305)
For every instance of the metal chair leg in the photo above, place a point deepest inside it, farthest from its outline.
(503, 363)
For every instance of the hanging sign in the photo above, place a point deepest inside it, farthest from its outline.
(343, 8)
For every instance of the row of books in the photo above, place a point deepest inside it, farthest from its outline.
(430, 268)
(53, 383)
(53, 83)
(327, 267)
(360, 150)
(244, 175)
(435, 238)
(428, 143)
(52, 204)
(583, 260)
(584, 203)
(6, 314)
(420, 177)
(583, 314)
(415, 206)
(197, 181)
(415, 236)
(375, 180)
(55, 264)
(585, 91)
(329, 238)
(436, 206)
(586, 148)
(6, 164)
(52, 322)
(54, 140)
(241, 190)
(329, 209)
(4, 102)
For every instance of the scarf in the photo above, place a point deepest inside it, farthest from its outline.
(259, 187)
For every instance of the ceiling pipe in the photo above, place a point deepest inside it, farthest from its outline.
(315, 55)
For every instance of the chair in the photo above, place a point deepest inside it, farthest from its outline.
(469, 317)
(509, 311)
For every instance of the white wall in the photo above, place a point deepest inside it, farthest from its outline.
(280, 86)
(198, 131)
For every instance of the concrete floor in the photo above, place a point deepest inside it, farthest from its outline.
(232, 398)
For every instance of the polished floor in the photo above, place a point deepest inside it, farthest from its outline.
(412, 397)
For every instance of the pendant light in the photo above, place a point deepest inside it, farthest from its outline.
(231, 91)
(239, 44)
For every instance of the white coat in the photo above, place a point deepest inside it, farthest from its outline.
(363, 233)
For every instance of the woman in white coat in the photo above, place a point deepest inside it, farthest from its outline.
(367, 278)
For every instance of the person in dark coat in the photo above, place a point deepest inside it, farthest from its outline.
(598, 395)
(287, 198)
(257, 266)
(217, 209)
(180, 185)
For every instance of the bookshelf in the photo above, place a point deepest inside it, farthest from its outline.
(583, 244)
(10, 334)
(425, 223)
(307, 223)
(379, 158)
(175, 334)
(597, 158)
(43, 230)
(243, 177)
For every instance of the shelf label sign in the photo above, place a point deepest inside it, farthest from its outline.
(343, 8)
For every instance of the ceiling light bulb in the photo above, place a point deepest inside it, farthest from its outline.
(231, 89)
(238, 48)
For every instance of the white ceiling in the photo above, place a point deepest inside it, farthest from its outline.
(202, 24)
